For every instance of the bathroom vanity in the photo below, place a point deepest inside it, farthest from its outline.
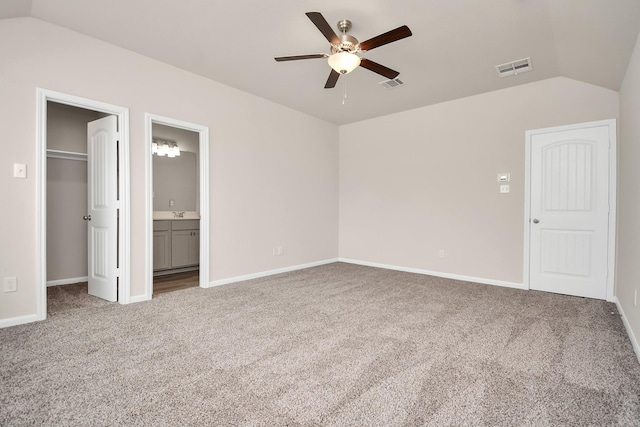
(176, 244)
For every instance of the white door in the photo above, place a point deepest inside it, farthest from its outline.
(569, 217)
(102, 218)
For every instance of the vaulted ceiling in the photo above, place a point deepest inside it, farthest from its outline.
(452, 53)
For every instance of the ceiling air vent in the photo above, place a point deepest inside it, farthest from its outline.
(390, 84)
(514, 68)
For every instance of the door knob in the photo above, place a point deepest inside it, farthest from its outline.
(535, 220)
(87, 217)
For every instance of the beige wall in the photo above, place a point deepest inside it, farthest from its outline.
(628, 268)
(273, 170)
(423, 180)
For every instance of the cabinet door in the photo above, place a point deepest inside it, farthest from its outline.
(180, 242)
(194, 247)
(161, 250)
(185, 248)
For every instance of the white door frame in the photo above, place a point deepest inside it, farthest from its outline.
(203, 156)
(124, 246)
(611, 250)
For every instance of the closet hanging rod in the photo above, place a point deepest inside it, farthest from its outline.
(67, 155)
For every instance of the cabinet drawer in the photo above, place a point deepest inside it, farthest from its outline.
(161, 225)
(185, 224)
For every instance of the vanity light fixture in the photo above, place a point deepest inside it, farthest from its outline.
(164, 147)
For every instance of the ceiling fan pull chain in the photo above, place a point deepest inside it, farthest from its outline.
(344, 85)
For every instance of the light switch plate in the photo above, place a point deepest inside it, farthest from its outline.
(19, 170)
(504, 177)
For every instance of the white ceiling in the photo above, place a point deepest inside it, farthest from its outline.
(452, 53)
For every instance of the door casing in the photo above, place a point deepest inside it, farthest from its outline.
(203, 158)
(124, 231)
(611, 124)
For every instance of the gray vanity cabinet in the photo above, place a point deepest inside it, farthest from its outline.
(176, 244)
(161, 245)
(185, 243)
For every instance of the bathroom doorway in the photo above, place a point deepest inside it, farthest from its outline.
(177, 205)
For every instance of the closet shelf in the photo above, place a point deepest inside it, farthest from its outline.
(67, 155)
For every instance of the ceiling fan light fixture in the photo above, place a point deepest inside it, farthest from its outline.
(344, 62)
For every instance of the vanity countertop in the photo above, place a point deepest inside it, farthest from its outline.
(169, 215)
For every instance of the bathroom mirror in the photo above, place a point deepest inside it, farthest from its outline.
(175, 182)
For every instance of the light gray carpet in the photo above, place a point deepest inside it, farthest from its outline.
(63, 298)
(332, 345)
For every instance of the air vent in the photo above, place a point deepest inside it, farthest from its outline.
(390, 84)
(514, 68)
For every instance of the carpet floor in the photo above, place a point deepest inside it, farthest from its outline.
(335, 345)
(64, 298)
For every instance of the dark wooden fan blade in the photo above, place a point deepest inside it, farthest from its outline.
(332, 80)
(377, 68)
(323, 26)
(388, 37)
(296, 57)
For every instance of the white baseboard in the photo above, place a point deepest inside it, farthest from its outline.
(20, 320)
(627, 326)
(139, 298)
(437, 274)
(229, 280)
(69, 281)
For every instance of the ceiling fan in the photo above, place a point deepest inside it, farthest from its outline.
(345, 48)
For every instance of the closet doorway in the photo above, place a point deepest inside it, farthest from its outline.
(82, 172)
(177, 160)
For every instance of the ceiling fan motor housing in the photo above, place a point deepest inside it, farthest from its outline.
(347, 44)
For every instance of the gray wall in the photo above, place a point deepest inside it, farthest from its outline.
(177, 178)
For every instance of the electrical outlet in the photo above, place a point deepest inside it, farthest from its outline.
(504, 188)
(441, 253)
(10, 284)
(19, 170)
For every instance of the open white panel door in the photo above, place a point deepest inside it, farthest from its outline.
(570, 211)
(102, 218)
